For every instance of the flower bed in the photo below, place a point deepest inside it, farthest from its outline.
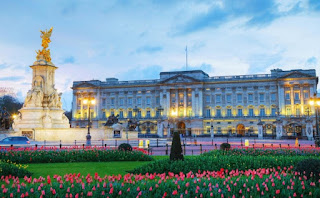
(9, 168)
(88, 154)
(223, 183)
(266, 151)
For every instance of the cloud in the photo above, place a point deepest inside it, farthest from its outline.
(11, 78)
(312, 61)
(69, 59)
(149, 49)
(256, 13)
(3, 66)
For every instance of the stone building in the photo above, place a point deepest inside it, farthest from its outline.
(196, 104)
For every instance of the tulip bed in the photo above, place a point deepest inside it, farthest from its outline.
(270, 182)
(10, 168)
(89, 154)
(266, 152)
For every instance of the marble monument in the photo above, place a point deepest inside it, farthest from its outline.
(42, 106)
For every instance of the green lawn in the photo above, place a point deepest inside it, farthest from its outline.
(102, 168)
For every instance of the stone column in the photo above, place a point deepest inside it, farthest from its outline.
(279, 129)
(281, 104)
(302, 101)
(200, 97)
(193, 102)
(293, 112)
(185, 103)
(160, 128)
(177, 102)
(168, 103)
(309, 129)
(74, 105)
(260, 130)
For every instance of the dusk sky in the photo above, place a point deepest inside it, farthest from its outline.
(135, 40)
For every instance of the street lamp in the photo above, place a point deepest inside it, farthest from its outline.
(89, 102)
(316, 103)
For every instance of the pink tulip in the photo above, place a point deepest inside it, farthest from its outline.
(174, 192)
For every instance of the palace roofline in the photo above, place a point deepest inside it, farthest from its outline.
(201, 76)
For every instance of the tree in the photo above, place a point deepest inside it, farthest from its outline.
(176, 149)
(12, 104)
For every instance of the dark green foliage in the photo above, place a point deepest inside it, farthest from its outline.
(53, 156)
(225, 146)
(309, 167)
(13, 170)
(317, 142)
(216, 162)
(125, 147)
(176, 149)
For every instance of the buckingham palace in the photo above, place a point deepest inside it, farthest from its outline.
(195, 103)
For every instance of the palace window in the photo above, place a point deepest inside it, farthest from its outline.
(103, 114)
(218, 113)
(219, 129)
(158, 114)
(296, 96)
(240, 112)
(190, 113)
(139, 114)
(287, 95)
(121, 114)
(129, 114)
(288, 111)
(261, 97)
(112, 101)
(103, 102)
(273, 111)
(218, 98)
(148, 100)
(273, 97)
(251, 114)
(229, 112)
(129, 101)
(158, 100)
(298, 111)
(139, 100)
(229, 98)
(148, 114)
(250, 97)
(121, 101)
(239, 98)
(262, 112)
(112, 113)
(207, 99)
(306, 95)
(208, 113)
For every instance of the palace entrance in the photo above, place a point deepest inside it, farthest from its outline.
(241, 129)
(181, 128)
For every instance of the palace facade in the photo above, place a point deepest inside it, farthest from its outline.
(197, 104)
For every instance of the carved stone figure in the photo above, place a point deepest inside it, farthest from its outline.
(112, 120)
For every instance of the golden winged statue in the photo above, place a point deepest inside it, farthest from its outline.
(45, 35)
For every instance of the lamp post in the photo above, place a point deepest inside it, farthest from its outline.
(316, 103)
(89, 102)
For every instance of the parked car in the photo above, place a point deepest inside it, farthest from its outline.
(14, 140)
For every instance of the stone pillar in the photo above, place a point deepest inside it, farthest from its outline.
(200, 98)
(281, 96)
(160, 128)
(74, 105)
(279, 129)
(293, 112)
(193, 102)
(309, 129)
(302, 101)
(177, 102)
(168, 103)
(260, 130)
(185, 103)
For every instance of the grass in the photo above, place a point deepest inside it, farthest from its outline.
(102, 168)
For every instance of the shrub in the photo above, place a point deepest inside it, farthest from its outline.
(176, 150)
(225, 146)
(125, 147)
(309, 167)
(317, 142)
(13, 169)
(54, 156)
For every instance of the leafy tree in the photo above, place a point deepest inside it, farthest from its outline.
(176, 149)
(11, 103)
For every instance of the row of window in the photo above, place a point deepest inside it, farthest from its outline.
(239, 97)
(262, 112)
(296, 95)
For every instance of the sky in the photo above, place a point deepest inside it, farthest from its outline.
(138, 39)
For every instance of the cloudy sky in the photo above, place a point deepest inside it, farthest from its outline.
(136, 39)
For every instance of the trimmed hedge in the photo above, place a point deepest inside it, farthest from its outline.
(53, 156)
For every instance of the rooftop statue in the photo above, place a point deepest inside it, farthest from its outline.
(45, 53)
